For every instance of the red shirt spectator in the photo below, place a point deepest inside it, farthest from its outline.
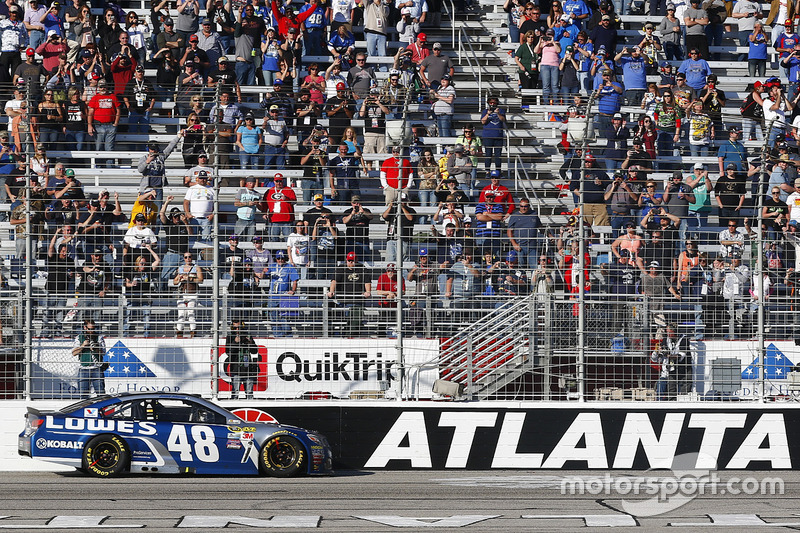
(279, 201)
(292, 20)
(419, 50)
(103, 107)
(395, 169)
(50, 49)
(501, 193)
(387, 287)
(122, 69)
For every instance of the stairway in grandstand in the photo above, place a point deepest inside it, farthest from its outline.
(491, 353)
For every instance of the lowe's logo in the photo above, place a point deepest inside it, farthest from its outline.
(66, 444)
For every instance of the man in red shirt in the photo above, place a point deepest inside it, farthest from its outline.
(122, 70)
(396, 175)
(419, 49)
(291, 19)
(104, 113)
(278, 208)
(501, 193)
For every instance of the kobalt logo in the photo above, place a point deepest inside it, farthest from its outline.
(66, 444)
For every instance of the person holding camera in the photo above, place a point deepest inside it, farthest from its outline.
(672, 359)
(90, 349)
(549, 51)
(775, 107)
(634, 74)
(51, 49)
(188, 278)
(374, 113)
(323, 243)
(242, 353)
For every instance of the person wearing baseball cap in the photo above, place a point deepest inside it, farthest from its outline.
(500, 193)
(247, 203)
(732, 151)
(275, 139)
(419, 49)
(223, 73)
(278, 206)
(351, 286)
(341, 110)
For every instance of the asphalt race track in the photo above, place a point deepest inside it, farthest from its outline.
(507, 501)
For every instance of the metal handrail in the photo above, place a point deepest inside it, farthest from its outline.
(450, 8)
(523, 185)
(474, 69)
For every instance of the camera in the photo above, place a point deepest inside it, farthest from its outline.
(95, 203)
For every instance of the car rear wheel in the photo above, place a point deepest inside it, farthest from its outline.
(105, 456)
(282, 456)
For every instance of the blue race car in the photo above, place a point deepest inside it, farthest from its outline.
(168, 433)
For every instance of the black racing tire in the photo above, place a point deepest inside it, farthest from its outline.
(106, 456)
(282, 456)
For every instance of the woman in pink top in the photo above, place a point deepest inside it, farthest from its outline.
(548, 49)
(315, 83)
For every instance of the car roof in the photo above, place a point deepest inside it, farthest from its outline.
(109, 399)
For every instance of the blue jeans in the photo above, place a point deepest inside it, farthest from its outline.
(90, 378)
(549, 76)
(313, 43)
(427, 197)
(513, 32)
(585, 81)
(205, 226)
(105, 139)
(445, 125)
(169, 264)
(139, 124)
(697, 220)
(248, 160)
(245, 229)
(665, 143)
(245, 72)
(493, 149)
(274, 157)
(698, 150)
(278, 231)
(528, 257)
(618, 221)
(376, 46)
(49, 138)
(774, 132)
(35, 38)
(75, 140)
(714, 36)
(673, 51)
(634, 96)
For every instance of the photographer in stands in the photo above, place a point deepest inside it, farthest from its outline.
(90, 348)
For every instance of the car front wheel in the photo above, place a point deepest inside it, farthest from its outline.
(106, 456)
(282, 456)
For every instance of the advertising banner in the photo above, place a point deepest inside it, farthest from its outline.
(286, 368)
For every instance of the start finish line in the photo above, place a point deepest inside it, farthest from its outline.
(454, 521)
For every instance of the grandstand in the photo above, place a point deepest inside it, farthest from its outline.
(502, 325)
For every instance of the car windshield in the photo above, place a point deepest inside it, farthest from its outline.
(83, 403)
